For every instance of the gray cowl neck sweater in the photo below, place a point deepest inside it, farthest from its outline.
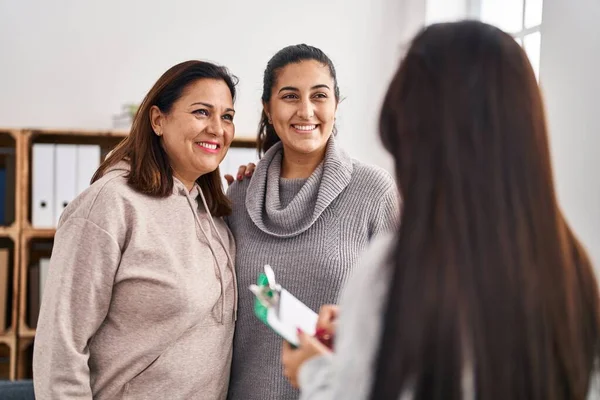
(312, 234)
(321, 188)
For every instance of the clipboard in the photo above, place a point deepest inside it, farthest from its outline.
(280, 310)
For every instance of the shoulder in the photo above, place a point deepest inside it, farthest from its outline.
(237, 190)
(377, 179)
(106, 199)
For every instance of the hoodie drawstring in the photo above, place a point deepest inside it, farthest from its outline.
(191, 202)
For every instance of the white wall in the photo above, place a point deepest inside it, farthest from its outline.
(448, 10)
(73, 63)
(393, 23)
(569, 76)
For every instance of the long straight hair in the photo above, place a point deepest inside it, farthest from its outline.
(151, 172)
(491, 294)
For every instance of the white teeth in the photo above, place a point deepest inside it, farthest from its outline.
(305, 127)
(208, 145)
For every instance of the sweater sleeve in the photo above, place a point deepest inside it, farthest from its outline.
(387, 215)
(76, 300)
(315, 378)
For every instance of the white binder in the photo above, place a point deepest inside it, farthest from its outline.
(65, 172)
(44, 267)
(42, 185)
(88, 161)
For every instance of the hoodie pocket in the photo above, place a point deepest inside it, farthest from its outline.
(195, 366)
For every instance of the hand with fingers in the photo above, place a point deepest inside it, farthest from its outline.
(293, 358)
(326, 324)
(243, 171)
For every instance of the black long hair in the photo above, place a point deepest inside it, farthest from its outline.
(488, 279)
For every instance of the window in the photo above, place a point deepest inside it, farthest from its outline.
(520, 18)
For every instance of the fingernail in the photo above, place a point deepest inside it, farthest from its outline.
(240, 177)
(247, 173)
(319, 332)
(298, 330)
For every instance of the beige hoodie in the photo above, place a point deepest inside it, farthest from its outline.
(140, 299)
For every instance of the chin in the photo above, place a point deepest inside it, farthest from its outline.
(308, 148)
(208, 170)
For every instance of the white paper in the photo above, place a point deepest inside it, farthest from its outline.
(293, 314)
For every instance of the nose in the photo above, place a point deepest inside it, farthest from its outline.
(306, 110)
(215, 126)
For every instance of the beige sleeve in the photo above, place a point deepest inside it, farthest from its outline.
(76, 300)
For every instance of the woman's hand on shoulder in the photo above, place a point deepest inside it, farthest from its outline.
(243, 171)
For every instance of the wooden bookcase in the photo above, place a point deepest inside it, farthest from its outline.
(16, 342)
(10, 238)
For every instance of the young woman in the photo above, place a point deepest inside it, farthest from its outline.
(483, 292)
(308, 210)
(141, 297)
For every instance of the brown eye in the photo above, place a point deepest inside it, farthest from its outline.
(201, 111)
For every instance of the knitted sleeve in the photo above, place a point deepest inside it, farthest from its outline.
(387, 215)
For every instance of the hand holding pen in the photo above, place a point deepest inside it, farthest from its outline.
(326, 324)
(322, 343)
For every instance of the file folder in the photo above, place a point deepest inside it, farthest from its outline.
(88, 161)
(42, 185)
(65, 175)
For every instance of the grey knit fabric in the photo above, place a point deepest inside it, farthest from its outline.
(288, 189)
(312, 244)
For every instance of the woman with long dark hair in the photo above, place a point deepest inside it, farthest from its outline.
(484, 291)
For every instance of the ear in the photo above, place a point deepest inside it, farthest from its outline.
(157, 120)
(266, 110)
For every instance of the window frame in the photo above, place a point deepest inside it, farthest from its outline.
(474, 7)
(475, 12)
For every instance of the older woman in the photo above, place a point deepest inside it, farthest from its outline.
(141, 297)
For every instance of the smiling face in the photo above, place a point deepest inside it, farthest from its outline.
(302, 107)
(197, 131)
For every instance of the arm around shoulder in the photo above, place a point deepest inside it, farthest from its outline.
(77, 295)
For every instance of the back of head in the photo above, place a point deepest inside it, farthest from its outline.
(489, 282)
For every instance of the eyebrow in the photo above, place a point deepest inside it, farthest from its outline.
(208, 105)
(293, 89)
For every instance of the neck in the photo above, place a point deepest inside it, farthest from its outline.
(297, 165)
(188, 182)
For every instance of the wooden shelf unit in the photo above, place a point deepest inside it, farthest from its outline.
(10, 139)
(19, 336)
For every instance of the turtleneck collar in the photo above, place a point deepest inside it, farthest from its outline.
(324, 185)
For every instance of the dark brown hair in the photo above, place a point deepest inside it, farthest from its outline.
(487, 276)
(151, 172)
(267, 136)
